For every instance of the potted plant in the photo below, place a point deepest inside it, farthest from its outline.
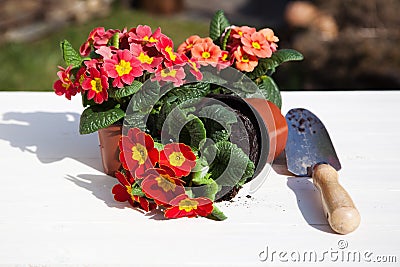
(191, 124)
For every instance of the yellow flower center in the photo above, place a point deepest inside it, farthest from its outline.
(176, 159)
(123, 68)
(96, 85)
(166, 183)
(256, 45)
(167, 72)
(143, 58)
(66, 85)
(171, 54)
(206, 54)
(245, 59)
(194, 66)
(139, 153)
(189, 46)
(188, 205)
(81, 79)
(129, 189)
(240, 33)
(151, 39)
(224, 57)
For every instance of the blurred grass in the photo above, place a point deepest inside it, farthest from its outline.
(33, 66)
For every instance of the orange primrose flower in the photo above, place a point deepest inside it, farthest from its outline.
(225, 60)
(255, 44)
(188, 44)
(206, 53)
(239, 31)
(244, 61)
(270, 37)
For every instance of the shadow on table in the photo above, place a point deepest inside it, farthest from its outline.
(307, 196)
(101, 186)
(309, 202)
(51, 136)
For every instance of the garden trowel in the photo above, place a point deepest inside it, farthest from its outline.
(309, 152)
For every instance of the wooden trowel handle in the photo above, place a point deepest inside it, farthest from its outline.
(339, 208)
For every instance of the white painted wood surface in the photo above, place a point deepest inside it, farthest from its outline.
(56, 205)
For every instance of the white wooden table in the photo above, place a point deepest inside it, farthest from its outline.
(56, 205)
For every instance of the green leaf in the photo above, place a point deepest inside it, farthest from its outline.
(277, 58)
(185, 128)
(217, 214)
(114, 41)
(162, 115)
(187, 92)
(70, 55)
(93, 118)
(212, 78)
(225, 40)
(92, 55)
(175, 121)
(244, 86)
(136, 119)
(218, 113)
(137, 191)
(86, 102)
(222, 135)
(206, 186)
(188, 192)
(195, 130)
(218, 120)
(158, 146)
(147, 96)
(201, 167)
(230, 166)
(285, 55)
(218, 25)
(270, 90)
(125, 91)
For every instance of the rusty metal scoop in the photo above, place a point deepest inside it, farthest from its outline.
(309, 152)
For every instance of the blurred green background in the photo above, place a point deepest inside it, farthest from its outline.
(32, 66)
(347, 44)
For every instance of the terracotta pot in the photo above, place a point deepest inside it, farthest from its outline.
(275, 123)
(109, 138)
